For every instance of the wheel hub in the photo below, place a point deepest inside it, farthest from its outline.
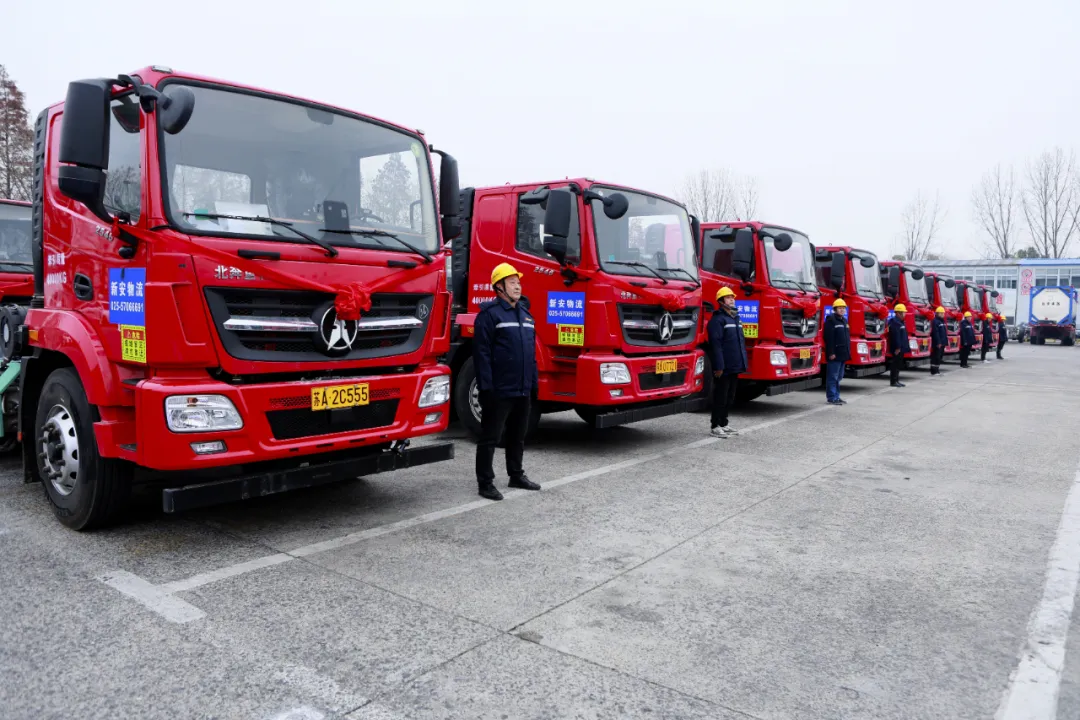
(474, 400)
(60, 450)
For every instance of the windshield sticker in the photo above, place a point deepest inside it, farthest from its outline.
(133, 344)
(566, 307)
(126, 303)
(417, 150)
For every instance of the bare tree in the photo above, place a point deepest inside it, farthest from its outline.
(1051, 202)
(709, 195)
(922, 219)
(997, 210)
(16, 141)
(746, 199)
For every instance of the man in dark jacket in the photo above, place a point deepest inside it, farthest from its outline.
(727, 351)
(1003, 335)
(837, 350)
(898, 343)
(504, 356)
(967, 339)
(987, 336)
(939, 340)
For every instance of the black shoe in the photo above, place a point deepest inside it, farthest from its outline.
(490, 492)
(842, 402)
(524, 483)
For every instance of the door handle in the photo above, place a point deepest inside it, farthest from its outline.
(84, 288)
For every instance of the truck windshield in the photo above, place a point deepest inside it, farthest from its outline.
(973, 300)
(15, 238)
(867, 279)
(654, 232)
(336, 177)
(916, 289)
(948, 295)
(794, 267)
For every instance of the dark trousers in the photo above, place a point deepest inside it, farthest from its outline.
(497, 414)
(982, 352)
(1001, 344)
(834, 373)
(723, 397)
(937, 355)
(965, 352)
(894, 369)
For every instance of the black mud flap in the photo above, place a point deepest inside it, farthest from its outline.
(861, 371)
(648, 412)
(814, 381)
(271, 482)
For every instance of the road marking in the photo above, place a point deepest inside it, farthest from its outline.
(300, 713)
(159, 597)
(1032, 693)
(153, 597)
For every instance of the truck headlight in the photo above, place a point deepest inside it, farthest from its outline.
(913, 345)
(862, 349)
(699, 366)
(614, 374)
(777, 357)
(436, 391)
(201, 413)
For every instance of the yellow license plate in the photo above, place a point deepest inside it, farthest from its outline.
(339, 396)
(877, 346)
(666, 366)
(804, 354)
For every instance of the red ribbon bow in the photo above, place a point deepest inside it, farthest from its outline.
(350, 301)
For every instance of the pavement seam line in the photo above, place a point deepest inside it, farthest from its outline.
(1034, 685)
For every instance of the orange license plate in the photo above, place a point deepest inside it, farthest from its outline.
(804, 354)
(333, 397)
(666, 366)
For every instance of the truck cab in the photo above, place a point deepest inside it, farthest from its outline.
(1052, 315)
(236, 292)
(941, 289)
(771, 270)
(611, 280)
(970, 297)
(854, 275)
(905, 283)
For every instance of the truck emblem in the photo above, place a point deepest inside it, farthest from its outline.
(805, 326)
(337, 335)
(422, 311)
(666, 328)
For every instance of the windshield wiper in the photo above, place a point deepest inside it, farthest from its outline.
(793, 283)
(17, 263)
(658, 276)
(685, 272)
(375, 233)
(331, 251)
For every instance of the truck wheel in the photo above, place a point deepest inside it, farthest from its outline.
(748, 392)
(587, 414)
(85, 489)
(467, 399)
(8, 443)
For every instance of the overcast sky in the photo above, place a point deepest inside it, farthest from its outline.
(841, 109)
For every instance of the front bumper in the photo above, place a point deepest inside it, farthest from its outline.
(270, 481)
(861, 371)
(649, 412)
(801, 362)
(646, 384)
(278, 420)
(874, 356)
(923, 351)
(954, 345)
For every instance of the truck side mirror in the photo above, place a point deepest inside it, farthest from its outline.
(917, 274)
(994, 293)
(950, 283)
(449, 196)
(893, 281)
(838, 272)
(557, 223)
(866, 261)
(84, 144)
(742, 258)
(782, 242)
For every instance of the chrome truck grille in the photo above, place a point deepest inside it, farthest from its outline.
(875, 326)
(796, 325)
(952, 326)
(299, 326)
(922, 325)
(646, 326)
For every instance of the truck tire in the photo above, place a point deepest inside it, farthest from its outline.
(587, 414)
(85, 489)
(467, 399)
(748, 392)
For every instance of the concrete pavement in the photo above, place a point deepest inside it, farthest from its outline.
(878, 560)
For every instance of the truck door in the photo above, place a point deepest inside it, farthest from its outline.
(559, 311)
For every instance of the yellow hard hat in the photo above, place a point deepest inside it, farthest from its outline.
(967, 314)
(724, 292)
(503, 271)
(989, 316)
(839, 302)
(939, 309)
(900, 307)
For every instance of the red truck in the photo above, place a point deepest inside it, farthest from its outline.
(942, 291)
(771, 270)
(976, 300)
(611, 280)
(905, 283)
(236, 293)
(854, 275)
